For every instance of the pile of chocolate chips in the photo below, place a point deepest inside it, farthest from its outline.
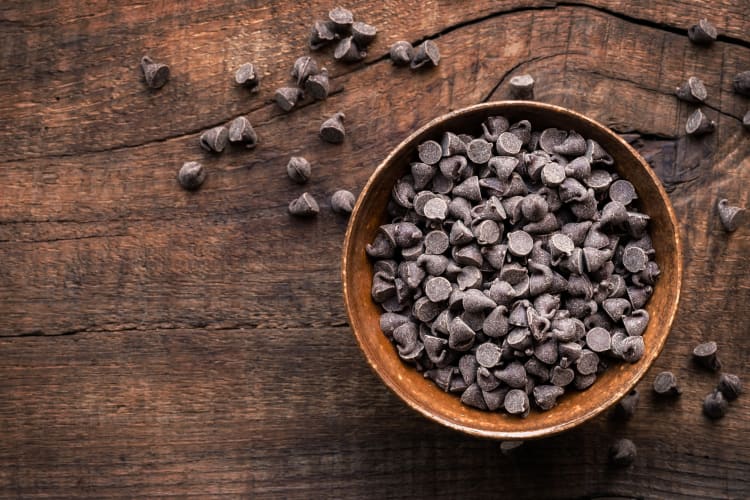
(515, 266)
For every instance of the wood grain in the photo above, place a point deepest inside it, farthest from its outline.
(162, 343)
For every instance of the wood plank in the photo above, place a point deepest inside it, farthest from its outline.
(288, 413)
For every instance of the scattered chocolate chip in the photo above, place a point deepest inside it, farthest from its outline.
(214, 139)
(699, 124)
(348, 51)
(332, 130)
(665, 384)
(705, 355)
(715, 405)
(287, 97)
(363, 33)
(298, 169)
(625, 408)
(342, 19)
(155, 74)
(304, 206)
(730, 386)
(242, 132)
(703, 33)
(247, 77)
(693, 90)
(741, 83)
(731, 217)
(191, 175)
(427, 54)
(401, 53)
(746, 120)
(509, 447)
(342, 201)
(622, 453)
(522, 87)
(323, 32)
(318, 85)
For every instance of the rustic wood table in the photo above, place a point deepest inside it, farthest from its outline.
(157, 342)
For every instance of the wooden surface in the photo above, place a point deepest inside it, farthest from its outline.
(162, 343)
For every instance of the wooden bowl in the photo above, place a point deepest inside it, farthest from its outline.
(422, 394)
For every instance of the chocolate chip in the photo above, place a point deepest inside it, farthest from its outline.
(429, 152)
(545, 396)
(699, 124)
(332, 130)
(436, 242)
(487, 232)
(598, 339)
(247, 77)
(469, 189)
(705, 355)
(636, 323)
(437, 289)
(517, 403)
(622, 191)
(191, 175)
(155, 74)
(508, 144)
(632, 349)
(588, 362)
(634, 259)
(741, 83)
(561, 376)
(341, 18)
(318, 85)
(746, 120)
(496, 323)
(665, 384)
(469, 277)
(578, 168)
(303, 68)
(401, 53)
(730, 386)
(363, 33)
(479, 151)
(348, 51)
(425, 310)
(553, 174)
(520, 243)
(427, 54)
(461, 336)
(287, 97)
(475, 301)
(573, 145)
(436, 209)
(715, 405)
(242, 132)
(522, 87)
(625, 408)
(472, 396)
(693, 90)
(703, 33)
(304, 206)
(342, 201)
(514, 374)
(215, 139)
(622, 453)
(731, 217)
(495, 399)
(323, 32)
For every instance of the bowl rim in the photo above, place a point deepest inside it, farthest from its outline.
(616, 395)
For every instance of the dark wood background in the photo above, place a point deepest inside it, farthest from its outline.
(156, 342)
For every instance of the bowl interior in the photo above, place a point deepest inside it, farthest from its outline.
(422, 394)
